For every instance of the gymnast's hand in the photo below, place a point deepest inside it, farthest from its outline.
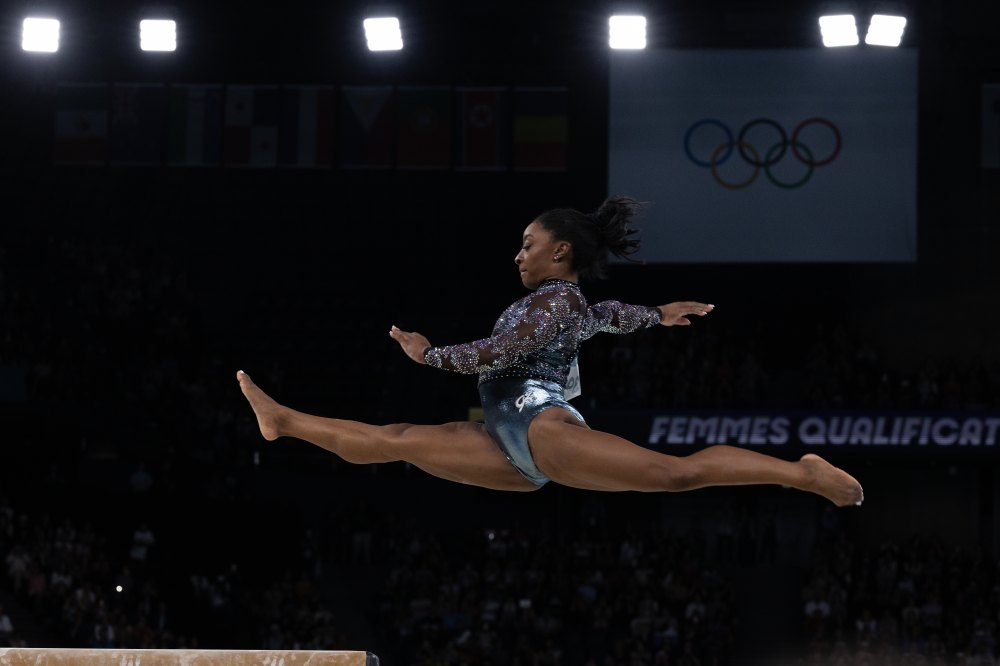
(413, 344)
(675, 314)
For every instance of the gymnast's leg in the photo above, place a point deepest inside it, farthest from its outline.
(570, 453)
(462, 452)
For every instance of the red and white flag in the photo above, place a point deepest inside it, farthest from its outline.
(250, 136)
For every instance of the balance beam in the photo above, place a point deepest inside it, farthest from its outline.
(88, 657)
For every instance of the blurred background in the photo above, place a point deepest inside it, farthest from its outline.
(272, 196)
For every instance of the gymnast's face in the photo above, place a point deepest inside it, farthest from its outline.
(537, 259)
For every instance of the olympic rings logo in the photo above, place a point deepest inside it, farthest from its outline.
(749, 154)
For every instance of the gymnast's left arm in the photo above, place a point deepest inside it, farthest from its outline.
(615, 317)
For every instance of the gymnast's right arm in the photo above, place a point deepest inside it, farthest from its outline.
(539, 324)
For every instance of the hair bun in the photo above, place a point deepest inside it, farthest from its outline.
(595, 236)
(612, 218)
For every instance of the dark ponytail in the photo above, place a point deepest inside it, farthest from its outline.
(612, 218)
(595, 235)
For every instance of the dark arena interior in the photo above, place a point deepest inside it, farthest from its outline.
(273, 196)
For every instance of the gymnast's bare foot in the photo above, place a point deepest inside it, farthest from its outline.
(832, 482)
(267, 410)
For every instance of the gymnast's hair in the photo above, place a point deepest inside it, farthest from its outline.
(595, 235)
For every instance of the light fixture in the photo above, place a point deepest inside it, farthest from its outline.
(383, 34)
(839, 30)
(40, 35)
(158, 35)
(885, 30)
(627, 32)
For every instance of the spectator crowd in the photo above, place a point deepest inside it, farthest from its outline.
(902, 602)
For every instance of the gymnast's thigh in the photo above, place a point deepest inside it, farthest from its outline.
(461, 451)
(570, 453)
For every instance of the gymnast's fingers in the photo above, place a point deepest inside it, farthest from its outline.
(399, 336)
(702, 309)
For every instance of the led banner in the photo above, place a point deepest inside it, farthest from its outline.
(902, 430)
(791, 155)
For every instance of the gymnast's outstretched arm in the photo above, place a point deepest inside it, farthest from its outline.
(616, 317)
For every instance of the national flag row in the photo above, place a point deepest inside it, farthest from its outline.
(355, 127)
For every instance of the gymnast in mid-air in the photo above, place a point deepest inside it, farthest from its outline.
(532, 434)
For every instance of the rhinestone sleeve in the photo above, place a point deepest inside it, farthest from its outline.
(526, 327)
(615, 317)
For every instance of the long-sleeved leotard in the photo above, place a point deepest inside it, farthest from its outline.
(539, 336)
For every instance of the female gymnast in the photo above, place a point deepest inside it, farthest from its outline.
(531, 433)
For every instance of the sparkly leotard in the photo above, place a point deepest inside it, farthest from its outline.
(524, 364)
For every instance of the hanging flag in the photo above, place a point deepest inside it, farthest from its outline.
(540, 129)
(194, 125)
(305, 126)
(138, 111)
(484, 137)
(366, 126)
(424, 139)
(250, 137)
(81, 127)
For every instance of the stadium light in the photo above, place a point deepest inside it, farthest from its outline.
(158, 35)
(383, 34)
(627, 32)
(40, 35)
(885, 30)
(839, 30)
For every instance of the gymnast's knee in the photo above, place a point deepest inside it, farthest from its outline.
(392, 439)
(368, 445)
(679, 474)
